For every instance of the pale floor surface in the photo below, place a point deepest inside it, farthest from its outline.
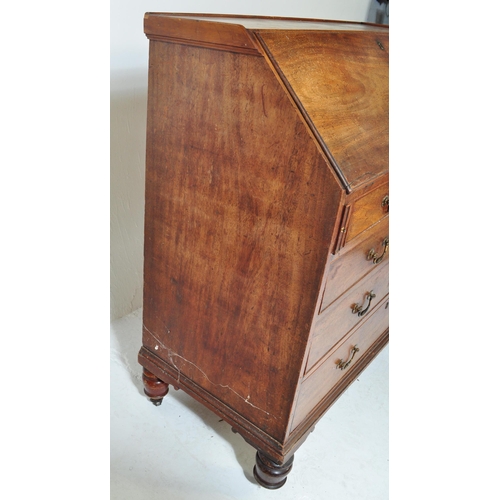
(180, 450)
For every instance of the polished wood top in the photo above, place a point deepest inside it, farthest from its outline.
(277, 23)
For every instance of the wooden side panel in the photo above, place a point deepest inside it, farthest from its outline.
(240, 208)
(341, 81)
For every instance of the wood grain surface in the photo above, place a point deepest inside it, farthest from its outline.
(221, 36)
(240, 211)
(341, 80)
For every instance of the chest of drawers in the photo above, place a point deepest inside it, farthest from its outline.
(266, 219)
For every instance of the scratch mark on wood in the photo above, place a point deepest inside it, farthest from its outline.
(246, 400)
(154, 336)
(263, 102)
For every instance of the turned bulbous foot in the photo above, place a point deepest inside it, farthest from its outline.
(270, 474)
(154, 388)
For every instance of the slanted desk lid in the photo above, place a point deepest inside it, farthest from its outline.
(339, 79)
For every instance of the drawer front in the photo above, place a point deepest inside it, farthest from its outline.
(336, 321)
(367, 210)
(323, 379)
(346, 269)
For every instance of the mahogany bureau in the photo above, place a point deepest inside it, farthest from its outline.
(266, 221)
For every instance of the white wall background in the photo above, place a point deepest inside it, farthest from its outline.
(129, 62)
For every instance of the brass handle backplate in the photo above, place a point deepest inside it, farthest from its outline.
(372, 255)
(385, 203)
(358, 308)
(344, 364)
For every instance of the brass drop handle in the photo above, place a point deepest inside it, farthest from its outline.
(358, 308)
(344, 364)
(373, 255)
(385, 203)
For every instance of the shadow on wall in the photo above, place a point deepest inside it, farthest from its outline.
(127, 168)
